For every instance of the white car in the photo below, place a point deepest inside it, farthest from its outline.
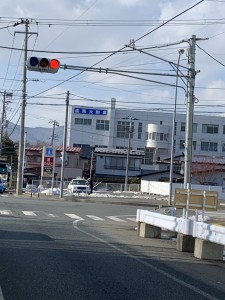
(79, 186)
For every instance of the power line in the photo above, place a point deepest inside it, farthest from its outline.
(211, 56)
(110, 55)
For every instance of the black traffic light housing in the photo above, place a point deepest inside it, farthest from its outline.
(43, 64)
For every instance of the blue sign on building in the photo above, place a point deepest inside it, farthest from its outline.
(90, 111)
(49, 151)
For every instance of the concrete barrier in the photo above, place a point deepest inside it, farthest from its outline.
(206, 241)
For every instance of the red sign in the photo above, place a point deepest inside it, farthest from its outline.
(48, 161)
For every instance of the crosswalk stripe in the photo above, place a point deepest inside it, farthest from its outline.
(132, 219)
(51, 215)
(29, 213)
(5, 212)
(73, 216)
(115, 219)
(95, 218)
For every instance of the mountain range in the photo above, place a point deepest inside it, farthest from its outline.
(36, 135)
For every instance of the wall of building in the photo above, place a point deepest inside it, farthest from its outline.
(163, 188)
(152, 121)
(102, 170)
(86, 134)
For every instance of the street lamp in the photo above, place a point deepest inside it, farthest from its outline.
(180, 52)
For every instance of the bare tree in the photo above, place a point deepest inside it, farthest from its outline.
(206, 170)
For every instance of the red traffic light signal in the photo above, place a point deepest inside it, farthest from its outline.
(43, 64)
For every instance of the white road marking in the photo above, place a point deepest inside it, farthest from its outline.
(115, 219)
(132, 219)
(147, 264)
(5, 212)
(29, 213)
(1, 294)
(51, 215)
(94, 218)
(73, 216)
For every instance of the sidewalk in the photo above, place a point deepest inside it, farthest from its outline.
(121, 198)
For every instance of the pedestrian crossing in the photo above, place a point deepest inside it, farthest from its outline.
(67, 216)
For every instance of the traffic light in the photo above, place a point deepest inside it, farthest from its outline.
(43, 64)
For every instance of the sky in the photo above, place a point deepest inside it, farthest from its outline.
(97, 33)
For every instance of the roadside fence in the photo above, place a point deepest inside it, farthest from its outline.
(98, 186)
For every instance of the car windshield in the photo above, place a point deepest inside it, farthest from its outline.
(80, 181)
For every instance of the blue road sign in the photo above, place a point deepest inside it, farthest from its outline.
(49, 151)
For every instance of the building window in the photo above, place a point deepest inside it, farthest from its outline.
(101, 146)
(194, 127)
(35, 159)
(182, 144)
(223, 129)
(80, 121)
(119, 163)
(223, 147)
(210, 128)
(123, 129)
(149, 155)
(209, 146)
(139, 130)
(157, 136)
(194, 143)
(182, 127)
(102, 125)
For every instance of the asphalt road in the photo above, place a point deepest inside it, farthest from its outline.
(76, 250)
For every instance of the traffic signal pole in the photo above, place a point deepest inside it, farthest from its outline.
(64, 145)
(19, 183)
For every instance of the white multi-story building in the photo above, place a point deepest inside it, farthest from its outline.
(151, 131)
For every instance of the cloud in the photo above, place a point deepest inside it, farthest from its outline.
(107, 26)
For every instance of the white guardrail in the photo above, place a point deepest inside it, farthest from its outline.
(201, 230)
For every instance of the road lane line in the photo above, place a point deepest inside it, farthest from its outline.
(115, 219)
(29, 213)
(148, 264)
(73, 216)
(94, 218)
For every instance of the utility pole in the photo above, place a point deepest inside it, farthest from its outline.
(2, 121)
(91, 165)
(180, 52)
(55, 123)
(189, 114)
(64, 145)
(22, 117)
(128, 151)
(128, 155)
